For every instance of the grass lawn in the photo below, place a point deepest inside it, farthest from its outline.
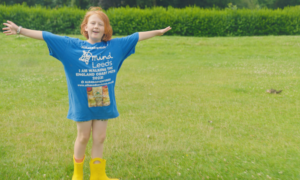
(190, 108)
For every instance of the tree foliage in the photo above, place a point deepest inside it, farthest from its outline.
(106, 4)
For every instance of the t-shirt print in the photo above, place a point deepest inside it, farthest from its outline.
(98, 96)
(91, 72)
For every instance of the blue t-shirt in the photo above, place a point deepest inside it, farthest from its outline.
(91, 71)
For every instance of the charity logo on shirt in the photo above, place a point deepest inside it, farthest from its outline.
(101, 66)
(87, 55)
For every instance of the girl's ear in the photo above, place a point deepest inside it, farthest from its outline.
(85, 27)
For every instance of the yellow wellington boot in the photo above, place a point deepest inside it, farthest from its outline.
(98, 170)
(78, 170)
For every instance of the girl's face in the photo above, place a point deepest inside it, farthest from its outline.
(95, 29)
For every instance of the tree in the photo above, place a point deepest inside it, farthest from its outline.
(284, 3)
(105, 4)
(250, 4)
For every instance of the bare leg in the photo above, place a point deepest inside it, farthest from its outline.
(83, 136)
(99, 134)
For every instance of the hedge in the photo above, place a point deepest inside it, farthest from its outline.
(190, 21)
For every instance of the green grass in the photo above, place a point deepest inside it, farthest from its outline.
(166, 94)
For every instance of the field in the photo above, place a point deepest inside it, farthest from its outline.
(190, 108)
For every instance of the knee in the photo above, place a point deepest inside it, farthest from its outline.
(83, 138)
(99, 139)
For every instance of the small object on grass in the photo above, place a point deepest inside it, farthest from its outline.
(273, 91)
(210, 121)
(148, 136)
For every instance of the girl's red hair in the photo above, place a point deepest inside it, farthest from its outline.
(107, 28)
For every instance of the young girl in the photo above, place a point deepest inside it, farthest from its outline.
(91, 67)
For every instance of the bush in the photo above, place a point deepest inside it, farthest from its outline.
(61, 21)
(190, 21)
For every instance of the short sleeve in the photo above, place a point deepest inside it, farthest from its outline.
(128, 44)
(56, 44)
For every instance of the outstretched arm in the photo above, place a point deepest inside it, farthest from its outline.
(150, 34)
(11, 29)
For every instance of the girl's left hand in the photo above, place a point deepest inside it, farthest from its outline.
(150, 34)
(163, 31)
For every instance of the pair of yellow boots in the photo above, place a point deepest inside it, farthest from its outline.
(97, 170)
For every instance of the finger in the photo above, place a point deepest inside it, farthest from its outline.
(5, 28)
(7, 33)
(7, 25)
(10, 22)
(167, 29)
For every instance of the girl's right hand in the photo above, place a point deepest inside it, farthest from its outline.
(11, 28)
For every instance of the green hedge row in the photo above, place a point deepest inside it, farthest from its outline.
(190, 21)
(63, 21)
